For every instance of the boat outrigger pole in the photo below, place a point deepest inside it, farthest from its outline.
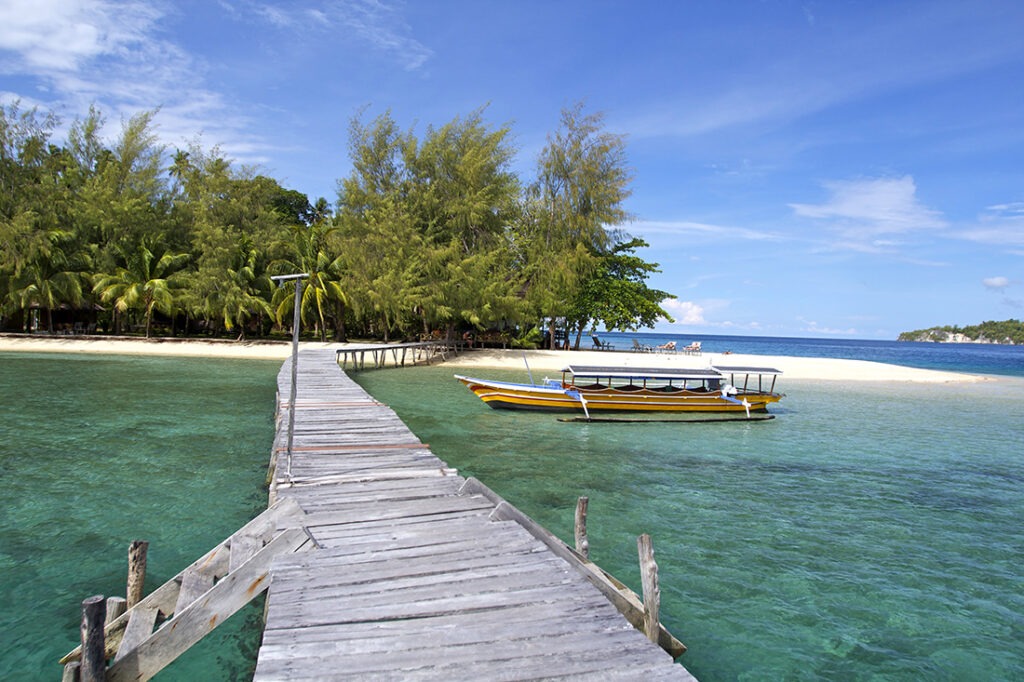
(527, 363)
(583, 401)
(725, 396)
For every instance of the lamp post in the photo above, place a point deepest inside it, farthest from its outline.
(296, 319)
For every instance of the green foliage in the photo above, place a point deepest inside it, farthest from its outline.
(531, 338)
(616, 294)
(1008, 331)
(582, 182)
(432, 234)
(147, 281)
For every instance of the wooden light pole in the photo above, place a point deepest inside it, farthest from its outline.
(280, 279)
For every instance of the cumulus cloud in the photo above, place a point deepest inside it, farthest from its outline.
(684, 312)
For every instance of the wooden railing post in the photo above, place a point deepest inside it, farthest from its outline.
(652, 593)
(136, 571)
(94, 659)
(582, 543)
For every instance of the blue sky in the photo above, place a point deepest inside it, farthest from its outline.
(848, 169)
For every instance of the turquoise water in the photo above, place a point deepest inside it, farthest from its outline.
(974, 358)
(96, 451)
(870, 532)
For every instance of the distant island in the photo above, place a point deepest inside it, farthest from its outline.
(1009, 332)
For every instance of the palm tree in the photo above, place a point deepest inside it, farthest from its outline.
(246, 291)
(312, 256)
(147, 282)
(51, 274)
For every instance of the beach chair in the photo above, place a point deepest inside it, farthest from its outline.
(601, 346)
(693, 348)
(669, 347)
(641, 348)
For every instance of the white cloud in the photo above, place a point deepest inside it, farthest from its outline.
(812, 327)
(374, 22)
(1001, 225)
(699, 230)
(866, 214)
(62, 35)
(996, 282)
(684, 312)
(116, 55)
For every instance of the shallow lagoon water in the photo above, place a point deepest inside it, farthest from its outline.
(96, 451)
(870, 531)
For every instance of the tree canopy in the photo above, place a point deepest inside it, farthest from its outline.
(430, 233)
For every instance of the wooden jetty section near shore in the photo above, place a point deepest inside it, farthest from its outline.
(414, 353)
(419, 573)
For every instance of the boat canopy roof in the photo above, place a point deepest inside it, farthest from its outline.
(664, 373)
(732, 369)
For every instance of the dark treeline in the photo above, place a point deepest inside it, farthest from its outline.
(428, 236)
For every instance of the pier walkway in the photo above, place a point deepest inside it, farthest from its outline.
(419, 573)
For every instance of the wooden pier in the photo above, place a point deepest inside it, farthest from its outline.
(396, 354)
(419, 573)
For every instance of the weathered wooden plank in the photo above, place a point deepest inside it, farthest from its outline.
(283, 514)
(334, 512)
(417, 581)
(533, 620)
(195, 621)
(140, 626)
(194, 584)
(242, 547)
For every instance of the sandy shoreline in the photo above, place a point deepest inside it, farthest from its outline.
(540, 360)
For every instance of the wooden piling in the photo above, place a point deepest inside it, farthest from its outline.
(115, 607)
(652, 593)
(94, 661)
(136, 570)
(582, 543)
(71, 672)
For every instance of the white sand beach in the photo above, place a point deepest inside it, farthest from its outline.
(825, 369)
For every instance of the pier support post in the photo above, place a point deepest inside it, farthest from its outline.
(94, 660)
(136, 570)
(71, 672)
(582, 543)
(652, 593)
(116, 606)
